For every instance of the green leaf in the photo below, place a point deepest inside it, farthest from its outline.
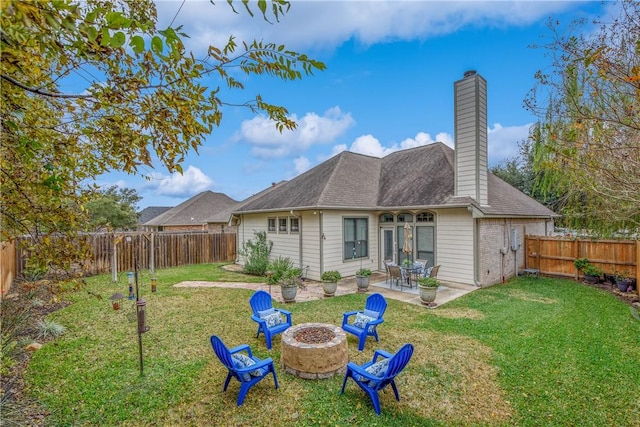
(92, 33)
(156, 45)
(106, 37)
(118, 39)
(137, 44)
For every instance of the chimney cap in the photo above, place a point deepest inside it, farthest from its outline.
(469, 73)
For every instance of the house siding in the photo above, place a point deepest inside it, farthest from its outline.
(333, 242)
(310, 228)
(284, 244)
(471, 138)
(454, 246)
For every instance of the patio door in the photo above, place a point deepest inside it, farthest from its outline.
(386, 245)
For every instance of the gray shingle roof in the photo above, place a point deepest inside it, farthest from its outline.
(421, 177)
(150, 212)
(196, 210)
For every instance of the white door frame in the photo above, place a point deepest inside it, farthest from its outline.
(384, 250)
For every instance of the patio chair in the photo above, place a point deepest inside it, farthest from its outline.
(366, 321)
(375, 375)
(395, 273)
(420, 267)
(270, 320)
(432, 272)
(246, 368)
(387, 263)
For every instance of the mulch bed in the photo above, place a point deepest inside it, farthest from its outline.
(631, 298)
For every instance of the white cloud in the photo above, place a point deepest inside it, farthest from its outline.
(301, 164)
(326, 25)
(371, 146)
(267, 142)
(192, 182)
(503, 141)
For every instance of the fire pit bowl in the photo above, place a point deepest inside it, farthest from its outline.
(314, 350)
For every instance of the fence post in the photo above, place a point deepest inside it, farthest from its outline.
(114, 262)
(152, 260)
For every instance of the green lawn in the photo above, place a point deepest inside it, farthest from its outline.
(532, 352)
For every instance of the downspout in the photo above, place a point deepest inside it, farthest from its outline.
(476, 253)
(299, 239)
(241, 219)
(476, 247)
(321, 236)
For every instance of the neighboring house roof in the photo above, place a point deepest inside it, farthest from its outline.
(150, 212)
(196, 210)
(226, 214)
(421, 177)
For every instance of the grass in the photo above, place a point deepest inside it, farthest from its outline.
(529, 353)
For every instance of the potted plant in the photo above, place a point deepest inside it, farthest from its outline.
(362, 279)
(289, 284)
(591, 272)
(623, 281)
(428, 289)
(330, 282)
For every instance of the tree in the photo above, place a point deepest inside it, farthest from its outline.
(587, 144)
(113, 209)
(519, 171)
(144, 96)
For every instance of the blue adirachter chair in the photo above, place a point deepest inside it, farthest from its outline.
(366, 321)
(246, 368)
(381, 371)
(270, 320)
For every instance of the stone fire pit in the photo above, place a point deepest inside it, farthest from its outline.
(314, 350)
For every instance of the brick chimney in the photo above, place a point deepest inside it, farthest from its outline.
(470, 135)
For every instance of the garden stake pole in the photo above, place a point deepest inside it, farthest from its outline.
(142, 327)
(135, 266)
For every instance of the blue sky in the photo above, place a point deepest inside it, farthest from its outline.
(391, 66)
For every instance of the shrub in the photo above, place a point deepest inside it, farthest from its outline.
(331, 276)
(292, 278)
(592, 270)
(278, 267)
(49, 329)
(587, 268)
(256, 254)
(363, 272)
(428, 282)
(581, 263)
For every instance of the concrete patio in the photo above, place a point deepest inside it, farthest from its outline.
(448, 291)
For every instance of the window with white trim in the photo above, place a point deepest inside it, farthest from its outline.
(386, 217)
(294, 225)
(356, 238)
(271, 225)
(282, 225)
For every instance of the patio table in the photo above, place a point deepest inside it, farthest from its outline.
(408, 272)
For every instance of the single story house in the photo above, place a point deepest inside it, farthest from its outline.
(150, 212)
(355, 211)
(206, 211)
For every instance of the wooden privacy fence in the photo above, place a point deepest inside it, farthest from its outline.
(7, 266)
(555, 255)
(151, 250)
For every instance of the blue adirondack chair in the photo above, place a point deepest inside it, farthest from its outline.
(270, 321)
(240, 366)
(366, 321)
(375, 375)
